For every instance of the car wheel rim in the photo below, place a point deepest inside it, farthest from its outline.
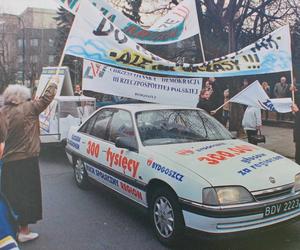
(163, 217)
(79, 171)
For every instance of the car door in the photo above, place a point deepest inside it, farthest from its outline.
(115, 168)
(123, 164)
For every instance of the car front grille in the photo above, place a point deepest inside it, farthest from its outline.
(273, 193)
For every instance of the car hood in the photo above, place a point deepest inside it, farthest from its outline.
(231, 162)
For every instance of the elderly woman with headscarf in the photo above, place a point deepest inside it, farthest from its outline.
(20, 180)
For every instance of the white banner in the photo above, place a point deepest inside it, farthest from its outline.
(173, 91)
(107, 44)
(255, 96)
(180, 23)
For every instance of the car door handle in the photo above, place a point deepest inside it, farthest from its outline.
(83, 142)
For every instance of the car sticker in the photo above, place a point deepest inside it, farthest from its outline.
(165, 170)
(261, 163)
(73, 144)
(194, 150)
(116, 184)
(93, 149)
(119, 160)
(222, 155)
(76, 138)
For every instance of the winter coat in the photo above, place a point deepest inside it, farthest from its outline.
(23, 139)
(3, 127)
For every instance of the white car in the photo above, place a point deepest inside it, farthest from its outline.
(184, 167)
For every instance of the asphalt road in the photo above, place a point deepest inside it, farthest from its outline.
(99, 219)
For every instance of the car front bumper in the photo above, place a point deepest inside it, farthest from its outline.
(229, 219)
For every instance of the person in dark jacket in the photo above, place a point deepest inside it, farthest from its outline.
(204, 101)
(216, 98)
(20, 180)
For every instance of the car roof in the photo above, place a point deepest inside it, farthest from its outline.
(137, 107)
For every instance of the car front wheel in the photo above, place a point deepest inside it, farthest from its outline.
(80, 175)
(166, 216)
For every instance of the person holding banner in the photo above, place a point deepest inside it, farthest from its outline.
(252, 122)
(204, 101)
(216, 98)
(296, 112)
(20, 180)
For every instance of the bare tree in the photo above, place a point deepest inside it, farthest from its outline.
(232, 24)
(8, 68)
(236, 17)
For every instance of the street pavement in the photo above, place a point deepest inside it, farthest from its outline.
(99, 219)
(279, 140)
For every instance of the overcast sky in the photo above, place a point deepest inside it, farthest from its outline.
(18, 6)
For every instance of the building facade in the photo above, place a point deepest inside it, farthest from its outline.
(28, 42)
(38, 38)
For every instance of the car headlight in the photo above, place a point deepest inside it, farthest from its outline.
(297, 183)
(226, 195)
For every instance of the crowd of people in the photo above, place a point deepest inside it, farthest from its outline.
(213, 96)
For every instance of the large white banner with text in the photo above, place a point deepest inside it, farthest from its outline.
(164, 90)
(180, 23)
(90, 39)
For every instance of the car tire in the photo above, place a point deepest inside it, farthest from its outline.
(166, 216)
(80, 174)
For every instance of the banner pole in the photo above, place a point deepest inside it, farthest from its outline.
(292, 74)
(216, 110)
(293, 86)
(200, 37)
(64, 50)
(60, 63)
(201, 45)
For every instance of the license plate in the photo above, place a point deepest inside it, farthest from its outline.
(281, 208)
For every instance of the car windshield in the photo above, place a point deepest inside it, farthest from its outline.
(157, 127)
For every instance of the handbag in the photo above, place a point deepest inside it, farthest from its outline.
(259, 138)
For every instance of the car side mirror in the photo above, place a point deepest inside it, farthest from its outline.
(127, 142)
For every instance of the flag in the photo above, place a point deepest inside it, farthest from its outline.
(280, 105)
(255, 96)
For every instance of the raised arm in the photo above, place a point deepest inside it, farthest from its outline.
(42, 103)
